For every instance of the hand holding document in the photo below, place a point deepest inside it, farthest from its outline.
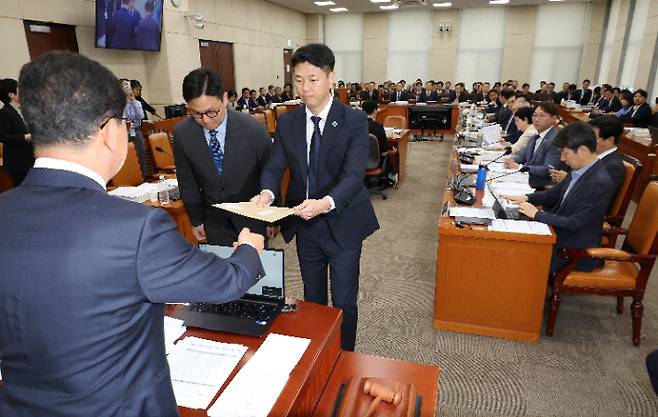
(250, 209)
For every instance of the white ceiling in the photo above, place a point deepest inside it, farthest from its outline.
(364, 6)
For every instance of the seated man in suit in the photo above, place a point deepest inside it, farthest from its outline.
(18, 155)
(640, 116)
(398, 94)
(263, 100)
(580, 202)
(243, 101)
(608, 103)
(417, 92)
(608, 130)
(585, 93)
(483, 93)
(540, 155)
(220, 155)
(493, 104)
(370, 93)
(564, 94)
(429, 94)
(375, 128)
(287, 93)
(103, 266)
(503, 113)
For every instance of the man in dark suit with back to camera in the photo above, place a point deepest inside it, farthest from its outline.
(220, 155)
(124, 26)
(579, 203)
(18, 156)
(540, 155)
(325, 145)
(85, 275)
(148, 30)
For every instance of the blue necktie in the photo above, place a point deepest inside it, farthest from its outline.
(313, 158)
(217, 154)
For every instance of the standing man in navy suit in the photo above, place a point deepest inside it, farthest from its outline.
(18, 153)
(85, 275)
(325, 145)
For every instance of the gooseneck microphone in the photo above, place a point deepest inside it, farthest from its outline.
(523, 169)
(507, 152)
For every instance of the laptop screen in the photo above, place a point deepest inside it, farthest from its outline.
(271, 285)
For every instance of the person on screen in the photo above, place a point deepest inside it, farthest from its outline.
(124, 25)
(148, 30)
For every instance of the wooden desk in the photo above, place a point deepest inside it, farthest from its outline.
(399, 159)
(176, 210)
(424, 377)
(301, 394)
(386, 110)
(570, 115)
(490, 283)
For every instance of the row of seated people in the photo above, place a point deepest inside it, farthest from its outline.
(251, 100)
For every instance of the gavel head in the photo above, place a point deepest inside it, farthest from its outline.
(386, 394)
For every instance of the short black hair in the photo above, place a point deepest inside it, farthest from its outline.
(626, 95)
(525, 113)
(65, 97)
(609, 127)
(369, 106)
(525, 85)
(508, 93)
(135, 84)
(587, 80)
(552, 83)
(316, 54)
(549, 107)
(7, 86)
(642, 92)
(439, 82)
(573, 87)
(245, 89)
(574, 135)
(202, 82)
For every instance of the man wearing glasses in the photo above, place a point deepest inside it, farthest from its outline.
(220, 155)
(539, 156)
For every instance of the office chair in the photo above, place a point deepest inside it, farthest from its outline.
(620, 204)
(373, 169)
(397, 122)
(260, 117)
(163, 153)
(270, 121)
(130, 174)
(625, 272)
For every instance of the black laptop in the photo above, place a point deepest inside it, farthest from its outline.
(506, 212)
(252, 314)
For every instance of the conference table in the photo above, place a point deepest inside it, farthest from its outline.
(489, 283)
(640, 148)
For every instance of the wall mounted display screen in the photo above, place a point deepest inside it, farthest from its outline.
(129, 24)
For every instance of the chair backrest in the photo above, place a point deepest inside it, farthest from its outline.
(162, 150)
(373, 152)
(623, 198)
(129, 174)
(644, 226)
(270, 121)
(260, 117)
(342, 95)
(397, 122)
(279, 110)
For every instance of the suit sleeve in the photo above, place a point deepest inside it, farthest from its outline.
(189, 188)
(551, 158)
(575, 222)
(354, 164)
(547, 198)
(170, 270)
(8, 130)
(265, 148)
(273, 172)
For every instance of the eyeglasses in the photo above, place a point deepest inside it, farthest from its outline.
(124, 119)
(211, 114)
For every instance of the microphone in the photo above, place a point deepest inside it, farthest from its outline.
(523, 169)
(507, 152)
(159, 149)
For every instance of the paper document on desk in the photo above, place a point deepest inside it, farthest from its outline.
(173, 330)
(255, 389)
(480, 213)
(520, 226)
(248, 209)
(199, 368)
(491, 134)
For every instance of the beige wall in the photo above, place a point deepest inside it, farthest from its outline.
(520, 23)
(644, 68)
(614, 72)
(593, 37)
(443, 57)
(375, 46)
(259, 30)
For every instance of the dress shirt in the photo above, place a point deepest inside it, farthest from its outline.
(63, 165)
(606, 153)
(575, 176)
(221, 134)
(134, 112)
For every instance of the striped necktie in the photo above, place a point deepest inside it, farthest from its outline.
(217, 154)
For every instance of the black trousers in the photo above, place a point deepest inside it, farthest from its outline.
(652, 367)
(318, 252)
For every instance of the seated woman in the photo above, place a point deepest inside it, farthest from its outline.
(626, 99)
(523, 122)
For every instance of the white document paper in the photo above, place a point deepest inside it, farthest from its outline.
(466, 168)
(255, 389)
(199, 368)
(491, 134)
(520, 226)
(269, 214)
(480, 213)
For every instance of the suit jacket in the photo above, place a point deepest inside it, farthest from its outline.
(377, 129)
(263, 101)
(286, 97)
(98, 348)
(578, 220)
(539, 161)
(480, 97)
(431, 96)
(342, 164)
(463, 96)
(614, 164)
(503, 115)
(585, 95)
(124, 26)
(640, 118)
(397, 96)
(366, 95)
(18, 154)
(246, 151)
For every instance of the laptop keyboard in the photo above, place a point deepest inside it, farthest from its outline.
(237, 308)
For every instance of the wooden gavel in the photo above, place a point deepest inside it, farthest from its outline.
(381, 393)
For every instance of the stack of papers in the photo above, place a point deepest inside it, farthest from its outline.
(491, 134)
(255, 389)
(479, 213)
(520, 226)
(468, 168)
(173, 330)
(199, 368)
(145, 191)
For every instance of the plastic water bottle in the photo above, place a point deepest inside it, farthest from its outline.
(481, 178)
(163, 191)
